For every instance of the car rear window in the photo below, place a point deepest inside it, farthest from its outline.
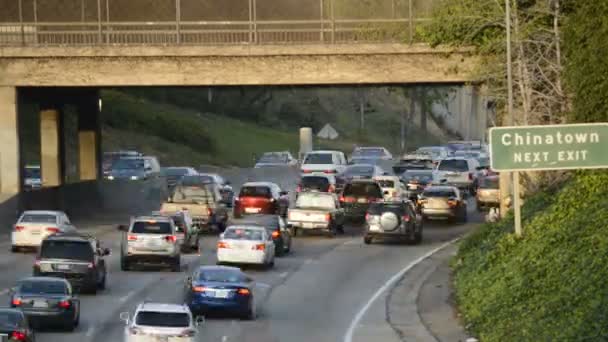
(243, 234)
(43, 286)
(439, 193)
(315, 201)
(10, 319)
(422, 177)
(379, 208)
(151, 227)
(163, 319)
(457, 165)
(316, 182)
(221, 276)
(359, 170)
(386, 183)
(319, 158)
(39, 218)
(72, 250)
(363, 190)
(266, 221)
(256, 191)
(489, 183)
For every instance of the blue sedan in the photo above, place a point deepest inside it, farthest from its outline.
(220, 290)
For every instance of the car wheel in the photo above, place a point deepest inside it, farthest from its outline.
(288, 247)
(176, 265)
(14, 249)
(251, 314)
(465, 217)
(125, 265)
(367, 240)
(195, 248)
(92, 290)
(341, 229)
(271, 263)
(70, 325)
(418, 237)
(102, 285)
(77, 320)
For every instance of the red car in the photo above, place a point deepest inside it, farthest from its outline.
(260, 198)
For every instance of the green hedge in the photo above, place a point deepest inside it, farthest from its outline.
(551, 285)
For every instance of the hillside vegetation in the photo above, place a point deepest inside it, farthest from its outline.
(551, 285)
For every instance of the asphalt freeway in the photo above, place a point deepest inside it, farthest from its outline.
(317, 293)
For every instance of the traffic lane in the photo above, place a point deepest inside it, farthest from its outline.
(170, 289)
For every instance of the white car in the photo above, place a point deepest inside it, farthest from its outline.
(392, 188)
(246, 245)
(436, 152)
(324, 162)
(459, 172)
(161, 322)
(35, 225)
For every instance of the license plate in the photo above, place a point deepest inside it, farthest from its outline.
(307, 225)
(40, 304)
(221, 294)
(252, 210)
(63, 267)
(35, 232)
(374, 228)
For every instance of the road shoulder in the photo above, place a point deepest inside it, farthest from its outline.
(432, 306)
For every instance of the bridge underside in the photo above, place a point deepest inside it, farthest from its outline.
(229, 65)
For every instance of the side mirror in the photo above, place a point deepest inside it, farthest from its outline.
(124, 316)
(200, 320)
(122, 228)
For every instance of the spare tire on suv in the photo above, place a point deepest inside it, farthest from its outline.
(394, 220)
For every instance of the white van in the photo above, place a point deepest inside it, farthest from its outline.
(324, 162)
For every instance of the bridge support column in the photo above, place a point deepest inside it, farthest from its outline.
(10, 180)
(50, 151)
(89, 137)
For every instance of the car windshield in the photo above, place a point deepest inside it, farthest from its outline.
(439, 193)
(315, 182)
(359, 170)
(42, 287)
(163, 319)
(192, 194)
(273, 158)
(368, 153)
(32, 173)
(39, 218)
(174, 171)
(385, 183)
(489, 183)
(458, 165)
(151, 227)
(256, 191)
(319, 158)
(128, 164)
(72, 250)
(316, 201)
(363, 190)
(10, 319)
(221, 276)
(239, 233)
(422, 177)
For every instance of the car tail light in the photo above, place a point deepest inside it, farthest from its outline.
(199, 289)
(327, 217)
(16, 302)
(236, 199)
(37, 263)
(90, 265)
(243, 292)
(347, 199)
(299, 188)
(19, 228)
(276, 234)
(18, 336)
(188, 333)
(332, 188)
(132, 237)
(52, 230)
(64, 304)
(259, 247)
(372, 200)
(222, 244)
(470, 176)
(452, 203)
(406, 218)
(171, 238)
(306, 171)
(209, 212)
(330, 172)
(367, 217)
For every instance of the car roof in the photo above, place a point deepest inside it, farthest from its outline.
(323, 151)
(440, 187)
(246, 226)
(152, 218)
(254, 219)
(57, 279)
(163, 307)
(368, 180)
(218, 268)
(361, 165)
(43, 212)
(258, 184)
(387, 178)
(70, 236)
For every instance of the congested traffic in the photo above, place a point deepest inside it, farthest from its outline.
(252, 224)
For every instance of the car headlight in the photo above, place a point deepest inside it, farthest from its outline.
(134, 178)
(111, 177)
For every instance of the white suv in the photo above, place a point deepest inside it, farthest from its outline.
(324, 162)
(161, 322)
(459, 172)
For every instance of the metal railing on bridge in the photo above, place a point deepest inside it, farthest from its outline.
(104, 22)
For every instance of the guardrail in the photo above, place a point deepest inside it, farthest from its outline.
(210, 32)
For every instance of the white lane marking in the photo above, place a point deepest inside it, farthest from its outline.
(3, 292)
(348, 337)
(127, 296)
(284, 275)
(90, 332)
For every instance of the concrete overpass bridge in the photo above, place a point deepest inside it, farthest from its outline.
(57, 63)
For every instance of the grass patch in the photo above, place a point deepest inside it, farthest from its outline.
(550, 285)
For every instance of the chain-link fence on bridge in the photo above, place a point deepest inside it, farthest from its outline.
(198, 22)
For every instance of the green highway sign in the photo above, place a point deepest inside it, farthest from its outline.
(551, 147)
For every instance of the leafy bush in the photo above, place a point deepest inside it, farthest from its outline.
(550, 285)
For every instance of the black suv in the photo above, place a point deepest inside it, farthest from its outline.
(393, 220)
(357, 197)
(76, 257)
